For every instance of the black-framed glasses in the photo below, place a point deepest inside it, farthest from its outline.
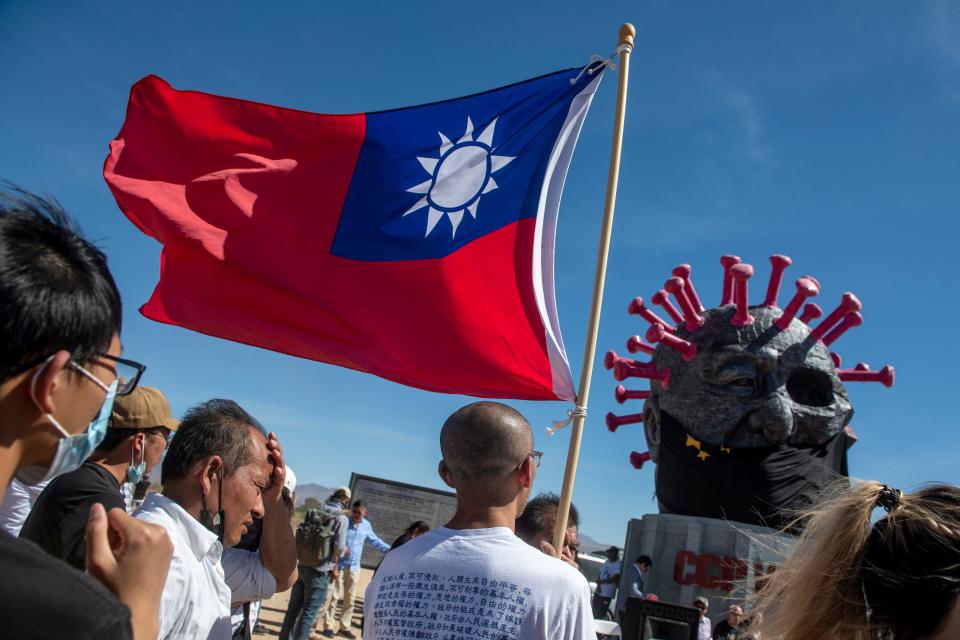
(536, 455)
(128, 372)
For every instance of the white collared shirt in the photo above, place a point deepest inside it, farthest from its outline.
(16, 504)
(196, 597)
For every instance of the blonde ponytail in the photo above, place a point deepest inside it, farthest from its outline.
(848, 579)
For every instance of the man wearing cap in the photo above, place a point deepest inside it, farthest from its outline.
(607, 583)
(137, 435)
(311, 595)
(703, 628)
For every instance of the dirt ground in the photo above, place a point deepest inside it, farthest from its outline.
(271, 613)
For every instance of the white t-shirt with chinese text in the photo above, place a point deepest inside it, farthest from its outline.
(609, 569)
(476, 584)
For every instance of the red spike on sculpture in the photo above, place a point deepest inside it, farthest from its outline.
(836, 359)
(727, 262)
(636, 343)
(811, 311)
(884, 376)
(610, 359)
(622, 394)
(851, 436)
(741, 273)
(683, 271)
(852, 319)
(778, 264)
(614, 421)
(622, 370)
(637, 308)
(676, 286)
(661, 298)
(807, 287)
(861, 366)
(656, 333)
(637, 459)
(848, 303)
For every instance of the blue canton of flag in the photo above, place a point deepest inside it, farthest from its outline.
(431, 179)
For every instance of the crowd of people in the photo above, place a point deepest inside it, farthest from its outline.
(195, 559)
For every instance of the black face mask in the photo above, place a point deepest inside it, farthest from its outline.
(764, 486)
(213, 523)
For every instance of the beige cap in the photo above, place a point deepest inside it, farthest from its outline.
(143, 408)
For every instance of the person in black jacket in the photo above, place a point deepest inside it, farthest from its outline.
(137, 436)
(730, 628)
(60, 369)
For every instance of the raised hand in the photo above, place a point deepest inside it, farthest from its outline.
(273, 493)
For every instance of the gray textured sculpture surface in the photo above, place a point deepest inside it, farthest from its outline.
(747, 414)
(751, 386)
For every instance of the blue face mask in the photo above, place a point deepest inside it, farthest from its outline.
(135, 471)
(72, 450)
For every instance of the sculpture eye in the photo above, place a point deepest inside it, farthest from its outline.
(742, 375)
(811, 387)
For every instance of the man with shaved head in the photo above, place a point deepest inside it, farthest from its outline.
(474, 578)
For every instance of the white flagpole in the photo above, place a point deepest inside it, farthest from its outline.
(624, 48)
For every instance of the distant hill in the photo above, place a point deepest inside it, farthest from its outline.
(590, 545)
(311, 490)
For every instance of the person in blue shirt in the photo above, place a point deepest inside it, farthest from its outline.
(359, 532)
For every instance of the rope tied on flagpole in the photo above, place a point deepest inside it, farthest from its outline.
(577, 412)
(595, 63)
(606, 62)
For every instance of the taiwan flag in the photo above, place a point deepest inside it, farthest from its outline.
(415, 244)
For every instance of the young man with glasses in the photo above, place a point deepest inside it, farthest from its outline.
(59, 374)
(474, 578)
(136, 439)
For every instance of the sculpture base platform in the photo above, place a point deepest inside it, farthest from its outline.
(721, 560)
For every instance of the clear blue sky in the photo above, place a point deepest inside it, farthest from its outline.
(828, 132)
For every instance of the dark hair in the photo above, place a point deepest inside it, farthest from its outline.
(56, 291)
(418, 527)
(536, 515)
(415, 529)
(115, 437)
(213, 428)
(647, 560)
(358, 504)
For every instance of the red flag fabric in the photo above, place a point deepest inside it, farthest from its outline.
(414, 244)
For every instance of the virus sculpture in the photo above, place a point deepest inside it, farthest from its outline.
(747, 415)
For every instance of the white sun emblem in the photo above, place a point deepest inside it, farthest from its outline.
(459, 177)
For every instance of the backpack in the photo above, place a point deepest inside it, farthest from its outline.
(315, 536)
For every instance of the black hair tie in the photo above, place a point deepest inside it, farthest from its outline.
(889, 498)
